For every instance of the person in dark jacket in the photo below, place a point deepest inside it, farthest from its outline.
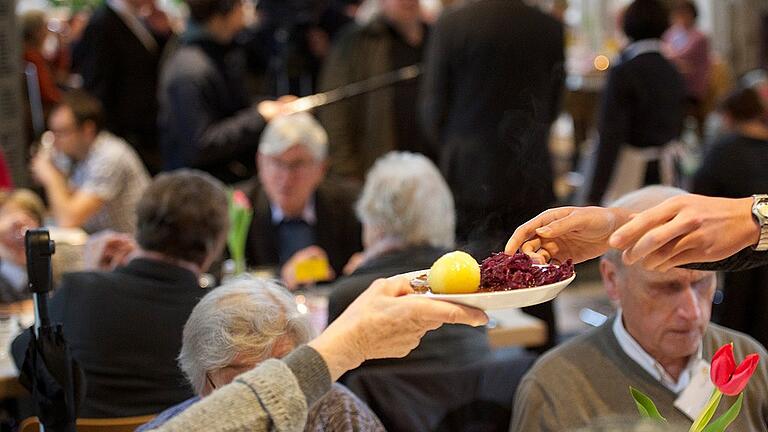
(119, 58)
(299, 213)
(492, 83)
(744, 151)
(408, 222)
(124, 327)
(642, 108)
(364, 127)
(207, 120)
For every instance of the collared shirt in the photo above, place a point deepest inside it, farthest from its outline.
(112, 171)
(641, 47)
(308, 215)
(636, 352)
(131, 19)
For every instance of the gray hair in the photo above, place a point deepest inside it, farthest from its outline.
(244, 316)
(637, 201)
(286, 131)
(406, 199)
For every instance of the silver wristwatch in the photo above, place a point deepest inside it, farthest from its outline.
(760, 212)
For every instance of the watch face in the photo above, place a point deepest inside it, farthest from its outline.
(762, 208)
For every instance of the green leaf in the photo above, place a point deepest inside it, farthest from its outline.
(645, 405)
(707, 413)
(726, 419)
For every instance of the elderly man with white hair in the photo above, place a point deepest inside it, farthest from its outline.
(239, 325)
(660, 342)
(299, 214)
(408, 218)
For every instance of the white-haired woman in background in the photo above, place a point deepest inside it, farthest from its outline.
(243, 323)
(408, 218)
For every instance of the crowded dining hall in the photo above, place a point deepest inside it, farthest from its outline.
(383, 215)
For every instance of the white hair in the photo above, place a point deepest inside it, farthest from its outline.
(283, 132)
(641, 200)
(244, 316)
(406, 199)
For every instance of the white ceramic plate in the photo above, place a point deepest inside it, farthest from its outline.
(501, 299)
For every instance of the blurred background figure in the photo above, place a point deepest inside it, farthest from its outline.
(207, 120)
(300, 213)
(408, 221)
(291, 40)
(92, 179)
(688, 48)
(35, 34)
(119, 56)
(734, 167)
(20, 210)
(239, 325)
(491, 89)
(364, 127)
(641, 111)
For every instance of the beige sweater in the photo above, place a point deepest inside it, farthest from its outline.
(588, 378)
(273, 396)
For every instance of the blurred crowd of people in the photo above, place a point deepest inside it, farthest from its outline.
(148, 123)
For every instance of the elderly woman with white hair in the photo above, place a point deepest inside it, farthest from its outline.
(241, 324)
(408, 218)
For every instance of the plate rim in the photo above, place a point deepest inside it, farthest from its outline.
(412, 274)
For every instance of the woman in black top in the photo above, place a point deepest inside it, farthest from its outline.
(643, 102)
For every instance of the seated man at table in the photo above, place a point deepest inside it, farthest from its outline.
(92, 178)
(408, 218)
(299, 214)
(660, 342)
(124, 327)
(239, 325)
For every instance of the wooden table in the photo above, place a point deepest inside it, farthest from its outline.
(513, 327)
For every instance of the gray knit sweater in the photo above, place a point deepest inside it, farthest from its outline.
(273, 396)
(588, 378)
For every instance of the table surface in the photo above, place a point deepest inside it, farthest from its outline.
(513, 327)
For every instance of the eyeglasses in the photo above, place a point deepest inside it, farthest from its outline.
(210, 381)
(293, 166)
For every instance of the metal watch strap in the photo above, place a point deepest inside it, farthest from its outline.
(762, 243)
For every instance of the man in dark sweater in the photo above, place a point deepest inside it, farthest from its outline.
(124, 327)
(206, 118)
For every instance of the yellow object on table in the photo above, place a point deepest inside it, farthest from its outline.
(312, 270)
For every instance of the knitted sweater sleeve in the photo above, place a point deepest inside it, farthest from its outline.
(273, 396)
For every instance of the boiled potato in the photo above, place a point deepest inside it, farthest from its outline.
(454, 273)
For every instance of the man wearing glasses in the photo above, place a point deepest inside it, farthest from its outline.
(301, 218)
(92, 178)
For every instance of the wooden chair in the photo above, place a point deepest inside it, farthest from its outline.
(120, 424)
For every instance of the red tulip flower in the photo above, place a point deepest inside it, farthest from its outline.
(727, 377)
(240, 200)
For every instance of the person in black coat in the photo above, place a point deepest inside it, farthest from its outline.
(299, 212)
(490, 91)
(207, 120)
(124, 327)
(744, 151)
(408, 221)
(642, 108)
(118, 58)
